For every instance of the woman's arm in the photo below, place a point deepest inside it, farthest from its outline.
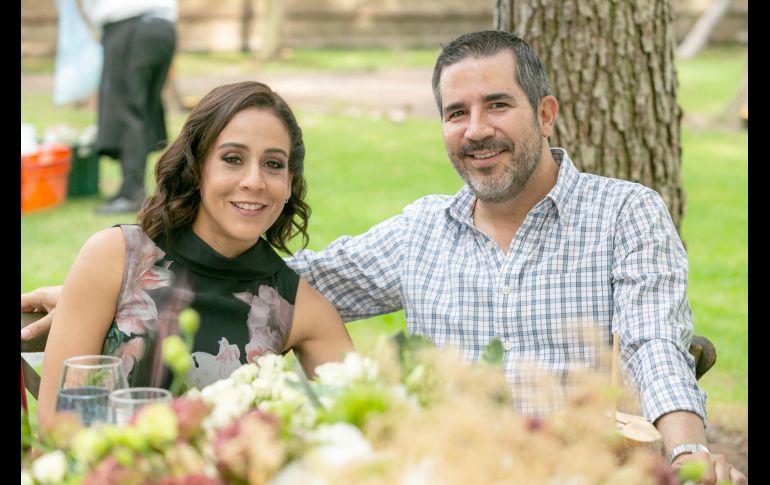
(317, 333)
(85, 311)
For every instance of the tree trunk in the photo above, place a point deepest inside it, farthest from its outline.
(247, 16)
(611, 66)
(272, 21)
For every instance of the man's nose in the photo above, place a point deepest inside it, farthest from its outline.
(478, 127)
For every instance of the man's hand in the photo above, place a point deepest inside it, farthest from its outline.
(43, 299)
(718, 470)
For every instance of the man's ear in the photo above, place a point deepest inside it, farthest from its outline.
(547, 111)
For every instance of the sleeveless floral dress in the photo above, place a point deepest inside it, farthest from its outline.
(246, 305)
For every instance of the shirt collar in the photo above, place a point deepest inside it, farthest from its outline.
(561, 193)
(461, 207)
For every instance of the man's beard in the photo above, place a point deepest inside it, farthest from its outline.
(514, 176)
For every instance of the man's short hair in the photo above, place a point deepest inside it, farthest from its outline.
(530, 72)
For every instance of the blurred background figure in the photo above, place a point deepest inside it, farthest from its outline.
(139, 39)
(79, 57)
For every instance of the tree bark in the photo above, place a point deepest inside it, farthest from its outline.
(611, 65)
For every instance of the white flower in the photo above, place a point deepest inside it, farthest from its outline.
(245, 374)
(290, 389)
(270, 364)
(425, 472)
(26, 478)
(297, 472)
(263, 388)
(50, 468)
(339, 443)
(193, 393)
(222, 415)
(352, 369)
(212, 392)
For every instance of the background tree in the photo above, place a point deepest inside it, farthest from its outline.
(611, 66)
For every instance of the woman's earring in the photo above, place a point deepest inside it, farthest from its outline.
(286, 201)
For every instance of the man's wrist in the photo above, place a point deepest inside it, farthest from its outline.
(685, 448)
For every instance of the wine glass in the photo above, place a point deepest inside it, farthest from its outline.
(85, 386)
(123, 403)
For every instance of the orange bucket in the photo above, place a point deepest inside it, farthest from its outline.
(44, 177)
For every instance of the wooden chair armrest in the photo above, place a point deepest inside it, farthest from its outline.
(705, 354)
(37, 344)
(31, 377)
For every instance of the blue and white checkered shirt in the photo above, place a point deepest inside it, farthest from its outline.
(594, 250)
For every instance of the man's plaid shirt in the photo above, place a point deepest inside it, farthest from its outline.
(594, 250)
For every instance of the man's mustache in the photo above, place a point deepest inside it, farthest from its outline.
(489, 145)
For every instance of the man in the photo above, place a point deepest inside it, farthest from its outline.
(527, 249)
(139, 39)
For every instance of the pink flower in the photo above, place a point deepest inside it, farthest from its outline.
(190, 413)
(192, 479)
(249, 449)
(109, 472)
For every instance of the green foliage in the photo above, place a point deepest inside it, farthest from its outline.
(493, 353)
(710, 80)
(408, 347)
(176, 350)
(356, 403)
(715, 231)
(26, 433)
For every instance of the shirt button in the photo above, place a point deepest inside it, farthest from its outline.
(507, 345)
(490, 244)
(505, 290)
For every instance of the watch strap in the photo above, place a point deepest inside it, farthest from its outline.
(685, 448)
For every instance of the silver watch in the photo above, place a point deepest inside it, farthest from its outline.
(685, 448)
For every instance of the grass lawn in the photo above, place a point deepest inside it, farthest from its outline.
(361, 171)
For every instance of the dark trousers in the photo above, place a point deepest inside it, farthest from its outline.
(137, 56)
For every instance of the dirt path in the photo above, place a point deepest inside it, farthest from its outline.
(404, 90)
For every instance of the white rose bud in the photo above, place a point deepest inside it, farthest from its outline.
(50, 468)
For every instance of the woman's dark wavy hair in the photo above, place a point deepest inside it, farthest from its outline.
(177, 196)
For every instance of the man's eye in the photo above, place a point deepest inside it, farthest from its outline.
(455, 114)
(498, 105)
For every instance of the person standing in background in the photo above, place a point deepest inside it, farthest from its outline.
(139, 40)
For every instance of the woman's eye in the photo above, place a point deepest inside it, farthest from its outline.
(277, 164)
(232, 159)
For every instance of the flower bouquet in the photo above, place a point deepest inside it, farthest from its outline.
(405, 412)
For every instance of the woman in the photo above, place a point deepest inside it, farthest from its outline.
(228, 191)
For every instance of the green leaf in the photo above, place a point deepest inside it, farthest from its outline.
(493, 353)
(356, 404)
(408, 347)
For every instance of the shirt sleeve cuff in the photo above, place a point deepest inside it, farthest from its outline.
(672, 393)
